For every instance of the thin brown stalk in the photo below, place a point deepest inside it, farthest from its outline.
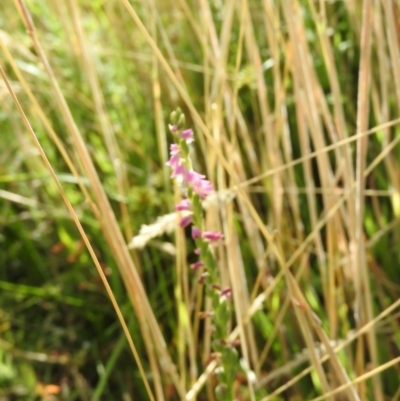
(362, 287)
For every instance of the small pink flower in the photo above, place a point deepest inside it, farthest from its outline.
(173, 161)
(198, 184)
(206, 189)
(185, 221)
(196, 232)
(212, 236)
(173, 128)
(179, 170)
(196, 265)
(174, 149)
(187, 134)
(184, 204)
(175, 158)
(197, 251)
(227, 292)
(176, 163)
(192, 177)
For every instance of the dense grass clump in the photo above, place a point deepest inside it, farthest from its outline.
(294, 106)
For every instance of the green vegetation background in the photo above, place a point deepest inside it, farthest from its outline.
(276, 91)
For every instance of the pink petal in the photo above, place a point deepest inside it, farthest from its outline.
(184, 204)
(187, 135)
(174, 149)
(198, 184)
(173, 161)
(185, 221)
(178, 170)
(196, 265)
(212, 236)
(227, 292)
(196, 232)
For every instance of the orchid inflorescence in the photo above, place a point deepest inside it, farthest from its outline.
(196, 188)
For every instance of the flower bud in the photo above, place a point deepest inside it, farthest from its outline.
(181, 121)
(173, 117)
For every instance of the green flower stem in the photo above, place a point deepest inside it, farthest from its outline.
(227, 355)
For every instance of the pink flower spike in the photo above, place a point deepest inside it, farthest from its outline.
(196, 232)
(187, 134)
(196, 265)
(184, 204)
(185, 221)
(212, 236)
